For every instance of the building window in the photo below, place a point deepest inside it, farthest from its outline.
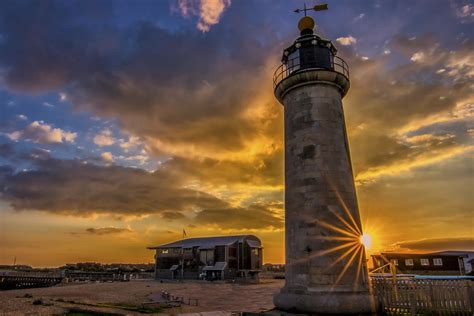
(164, 251)
(395, 262)
(408, 262)
(438, 261)
(425, 262)
(255, 251)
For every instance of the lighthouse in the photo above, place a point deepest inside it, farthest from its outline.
(326, 270)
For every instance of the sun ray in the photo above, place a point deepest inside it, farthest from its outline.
(339, 238)
(333, 249)
(348, 264)
(343, 221)
(343, 255)
(359, 267)
(344, 206)
(325, 252)
(337, 229)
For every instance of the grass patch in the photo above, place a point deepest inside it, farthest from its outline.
(84, 312)
(134, 308)
(38, 302)
(128, 307)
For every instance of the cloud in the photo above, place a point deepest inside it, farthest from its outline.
(239, 218)
(133, 141)
(104, 138)
(107, 230)
(82, 188)
(107, 157)
(141, 159)
(209, 11)
(346, 41)
(40, 132)
(393, 105)
(465, 11)
(436, 244)
(418, 57)
(203, 106)
(6, 151)
(172, 215)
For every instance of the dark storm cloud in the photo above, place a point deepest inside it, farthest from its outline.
(191, 96)
(44, 44)
(172, 215)
(6, 150)
(80, 188)
(107, 230)
(253, 217)
(388, 102)
(437, 244)
(264, 170)
(149, 77)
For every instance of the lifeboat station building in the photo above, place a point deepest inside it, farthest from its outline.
(210, 258)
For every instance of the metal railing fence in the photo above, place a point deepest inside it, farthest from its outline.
(292, 66)
(421, 296)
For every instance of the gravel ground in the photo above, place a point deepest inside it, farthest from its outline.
(60, 299)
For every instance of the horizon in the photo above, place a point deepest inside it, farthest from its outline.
(124, 124)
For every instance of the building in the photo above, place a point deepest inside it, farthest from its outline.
(435, 263)
(211, 258)
(320, 192)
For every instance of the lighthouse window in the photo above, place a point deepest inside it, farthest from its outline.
(293, 61)
(323, 57)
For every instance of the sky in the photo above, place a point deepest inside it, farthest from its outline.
(124, 122)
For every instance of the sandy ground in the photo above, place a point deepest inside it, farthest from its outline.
(223, 297)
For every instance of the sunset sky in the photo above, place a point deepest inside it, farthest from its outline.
(124, 122)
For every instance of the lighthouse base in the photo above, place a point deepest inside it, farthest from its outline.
(325, 303)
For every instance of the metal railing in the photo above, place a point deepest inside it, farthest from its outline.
(433, 297)
(293, 66)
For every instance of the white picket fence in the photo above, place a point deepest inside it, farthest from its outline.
(418, 296)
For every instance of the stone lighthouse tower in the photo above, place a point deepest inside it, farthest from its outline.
(325, 260)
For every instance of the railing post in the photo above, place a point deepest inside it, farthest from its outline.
(470, 296)
(412, 303)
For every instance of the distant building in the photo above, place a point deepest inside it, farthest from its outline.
(435, 263)
(211, 258)
(15, 267)
(271, 267)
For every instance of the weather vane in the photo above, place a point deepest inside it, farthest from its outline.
(318, 7)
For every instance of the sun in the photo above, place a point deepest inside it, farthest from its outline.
(366, 240)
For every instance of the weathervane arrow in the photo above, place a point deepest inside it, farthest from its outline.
(317, 7)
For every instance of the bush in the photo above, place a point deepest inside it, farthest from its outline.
(38, 302)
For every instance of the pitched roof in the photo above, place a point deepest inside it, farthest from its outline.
(210, 242)
(439, 253)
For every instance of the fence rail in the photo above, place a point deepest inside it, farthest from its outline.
(410, 296)
(293, 65)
